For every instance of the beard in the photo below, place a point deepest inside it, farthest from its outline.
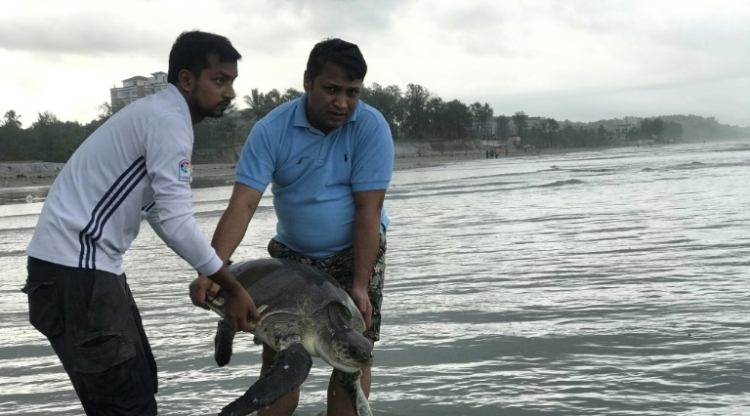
(215, 111)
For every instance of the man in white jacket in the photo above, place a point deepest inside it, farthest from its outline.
(136, 165)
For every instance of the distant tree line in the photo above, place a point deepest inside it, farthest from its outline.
(655, 130)
(415, 114)
(685, 127)
(47, 138)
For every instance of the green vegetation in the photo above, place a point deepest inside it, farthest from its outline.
(415, 114)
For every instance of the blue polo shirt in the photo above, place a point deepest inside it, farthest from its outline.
(314, 175)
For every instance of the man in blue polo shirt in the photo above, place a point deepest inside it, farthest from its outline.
(329, 158)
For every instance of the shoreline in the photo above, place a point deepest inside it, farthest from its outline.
(42, 174)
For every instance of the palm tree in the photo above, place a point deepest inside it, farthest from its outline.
(262, 103)
(234, 127)
(255, 101)
(12, 119)
(273, 99)
(290, 94)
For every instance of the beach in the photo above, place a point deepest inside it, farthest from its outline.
(20, 175)
(38, 173)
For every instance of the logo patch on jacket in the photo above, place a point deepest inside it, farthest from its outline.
(186, 171)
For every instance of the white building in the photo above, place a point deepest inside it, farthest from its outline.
(622, 130)
(135, 88)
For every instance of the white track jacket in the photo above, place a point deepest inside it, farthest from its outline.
(135, 166)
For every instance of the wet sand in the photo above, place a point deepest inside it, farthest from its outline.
(218, 174)
(209, 174)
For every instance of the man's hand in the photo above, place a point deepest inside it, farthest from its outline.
(202, 289)
(239, 306)
(360, 298)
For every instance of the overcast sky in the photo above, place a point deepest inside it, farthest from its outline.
(571, 59)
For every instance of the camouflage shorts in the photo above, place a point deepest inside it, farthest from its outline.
(341, 267)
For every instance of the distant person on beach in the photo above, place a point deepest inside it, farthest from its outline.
(329, 160)
(135, 166)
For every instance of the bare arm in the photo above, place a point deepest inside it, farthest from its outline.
(229, 233)
(239, 303)
(366, 243)
(234, 221)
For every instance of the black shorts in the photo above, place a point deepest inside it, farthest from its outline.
(93, 324)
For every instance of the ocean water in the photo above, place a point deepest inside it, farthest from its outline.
(607, 282)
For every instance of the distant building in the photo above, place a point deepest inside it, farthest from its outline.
(135, 88)
(531, 122)
(485, 130)
(622, 130)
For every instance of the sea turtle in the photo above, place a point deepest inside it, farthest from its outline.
(304, 313)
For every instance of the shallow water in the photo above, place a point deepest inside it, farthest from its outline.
(607, 282)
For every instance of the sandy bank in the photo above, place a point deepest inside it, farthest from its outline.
(23, 174)
(16, 175)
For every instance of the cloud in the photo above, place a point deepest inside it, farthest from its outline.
(344, 18)
(82, 28)
(608, 57)
(271, 26)
(88, 35)
(689, 28)
(118, 26)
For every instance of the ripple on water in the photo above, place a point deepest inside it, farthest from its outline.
(612, 284)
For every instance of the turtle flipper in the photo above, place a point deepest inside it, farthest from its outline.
(289, 371)
(350, 383)
(223, 343)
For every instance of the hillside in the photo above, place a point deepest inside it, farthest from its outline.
(695, 128)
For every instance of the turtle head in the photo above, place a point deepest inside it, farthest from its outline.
(351, 350)
(343, 347)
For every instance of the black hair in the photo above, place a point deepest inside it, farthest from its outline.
(192, 50)
(339, 52)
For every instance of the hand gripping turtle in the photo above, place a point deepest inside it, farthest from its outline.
(304, 313)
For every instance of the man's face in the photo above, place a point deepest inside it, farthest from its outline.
(331, 97)
(213, 91)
